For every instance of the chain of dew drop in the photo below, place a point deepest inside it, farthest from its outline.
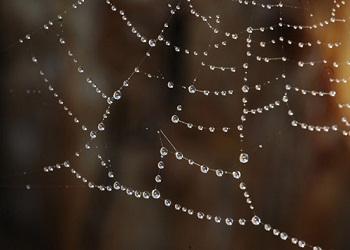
(203, 168)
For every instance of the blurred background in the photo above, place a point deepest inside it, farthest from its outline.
(299, 180)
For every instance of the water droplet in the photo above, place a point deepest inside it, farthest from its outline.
(217, 219)
(200, 215)
(152, 43)
(80, 69)
(163, 151)
(167, 203)
(192, 89)
(62, 41)
(109, 101)
(236, 174)
(179, 155)
(219, 172)
(243, 158)
(242, 221)
(92, 134)
(160, 164)
(229, 221)
(256, 220)
(158, 178)
(117, 95)
(175, 119)
(170, 85)
(245, 89)
(204, 169)
(267, 227)
(301, 244)
(101, 126)
(116, 185)
(284, 236)
(146, 195)
(155, 194)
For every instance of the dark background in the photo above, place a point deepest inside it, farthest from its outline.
(299, 180)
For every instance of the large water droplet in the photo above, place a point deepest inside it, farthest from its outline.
(155, 194)
(256, 220)
(117, 95)
(192, 89)
(243, 158)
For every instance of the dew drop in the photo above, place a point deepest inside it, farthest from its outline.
(243, 158)
(92, 134)
(110, 174)
(80, 69)
(175, 119)
(155, 194)
(256, 220)
(101, 126)
(160, 164)
(163, 151)
(219, 172)
(179, 155)
(204, 169)
(229, 221)
(192, 89)
(117, 95)
(116, 185)
(167, 203)
(152, 43)
(158, 178)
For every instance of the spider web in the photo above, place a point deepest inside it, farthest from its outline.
(242, 75)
